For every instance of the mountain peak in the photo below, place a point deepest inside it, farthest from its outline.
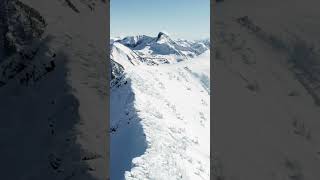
(162, 34)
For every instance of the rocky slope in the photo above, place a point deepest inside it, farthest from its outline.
(53, 89)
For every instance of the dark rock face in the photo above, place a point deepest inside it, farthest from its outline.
(115, 69)
(21, 30)
(3, 29)
(162, 34)
(24, 26)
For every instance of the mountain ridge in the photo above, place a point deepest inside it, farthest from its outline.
(148, 50)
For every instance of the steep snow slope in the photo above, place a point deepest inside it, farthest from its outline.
(265, 112)
(160, 122)
(53, 90)
(123, 55)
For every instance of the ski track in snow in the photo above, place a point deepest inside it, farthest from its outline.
(162, 122)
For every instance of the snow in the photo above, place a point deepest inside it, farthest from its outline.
(163, 49)
(50, 125)
(123, 55)
(161, 116)
(266, 124)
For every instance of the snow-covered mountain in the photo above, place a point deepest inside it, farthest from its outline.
(124, 55)
(164, 45)
(134, 41)
(53, 89)
(160, 112)
(133, 50)
(266, 90)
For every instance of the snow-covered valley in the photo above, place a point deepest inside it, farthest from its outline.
(160, 113)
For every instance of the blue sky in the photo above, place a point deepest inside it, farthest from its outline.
(188, 19)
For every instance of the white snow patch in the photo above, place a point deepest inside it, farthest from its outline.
(171, 103)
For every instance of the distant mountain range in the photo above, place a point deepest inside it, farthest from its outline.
(162, 49)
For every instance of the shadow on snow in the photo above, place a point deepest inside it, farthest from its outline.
(127, 138)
